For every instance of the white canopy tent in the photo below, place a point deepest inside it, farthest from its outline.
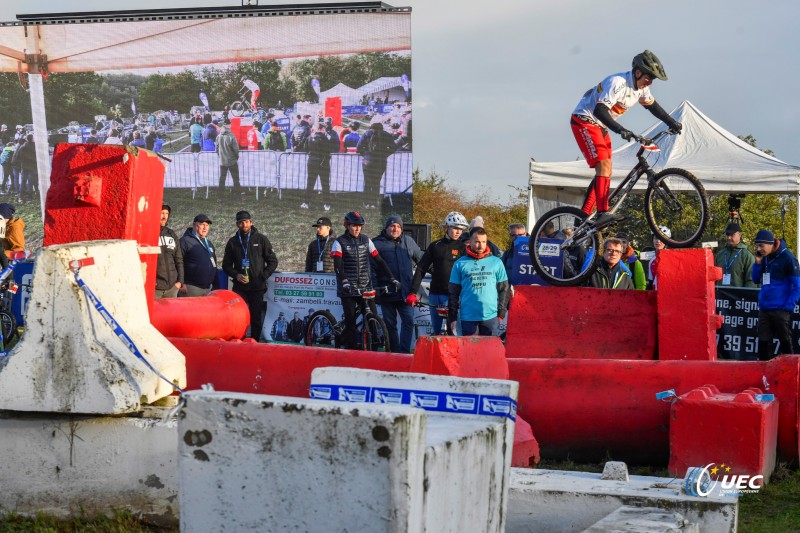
(724, 164)
(348, 95)
(161, 41)
(392, 84)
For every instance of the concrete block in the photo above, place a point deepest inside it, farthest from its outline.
(69, 359)
(615, 471)
(553, 501)
(739, 432)
(70, 464)
(469, 404)
(629, 519)
(270, 463)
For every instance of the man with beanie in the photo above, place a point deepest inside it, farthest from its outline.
(735, 259)
(478, 289)
(477, 222)
(249, 260)
(401, 253)
(777, 271)
(12, 230)
(169, 272)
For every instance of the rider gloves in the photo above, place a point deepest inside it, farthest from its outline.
(627, 134)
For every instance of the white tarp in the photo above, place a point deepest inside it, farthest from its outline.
(348, 95)
(723, 163)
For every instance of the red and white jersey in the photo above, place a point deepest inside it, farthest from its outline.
(250, 84)
(617, 92)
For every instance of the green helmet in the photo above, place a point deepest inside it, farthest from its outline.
(649, 64)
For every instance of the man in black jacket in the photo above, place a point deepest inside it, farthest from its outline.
(169, 272)
(319, 164)
(199, 258)
(318, 255)
(249, 260)
(376, 145)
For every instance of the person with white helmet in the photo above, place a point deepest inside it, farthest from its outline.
(441, 255)
(659, 245)
(597, 113)
(255, 90)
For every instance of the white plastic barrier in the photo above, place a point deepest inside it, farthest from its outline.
(457, 498)
(70, 360)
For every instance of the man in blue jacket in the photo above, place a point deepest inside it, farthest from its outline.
(777, 271)
(401, 253)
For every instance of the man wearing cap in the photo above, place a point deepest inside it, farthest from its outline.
(318, 255)
(169, 272)
(401, 253)
(735, 259)
(249, 260)
(777, 271)
(199, 258)
(12, 229)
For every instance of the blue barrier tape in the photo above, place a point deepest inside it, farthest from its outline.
(666, 395)
(118, 331)
(442, 402)
(765, 397)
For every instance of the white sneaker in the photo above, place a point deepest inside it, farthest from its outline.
(304, 206)
(327, 207)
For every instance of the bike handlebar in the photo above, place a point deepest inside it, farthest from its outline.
(652, 140)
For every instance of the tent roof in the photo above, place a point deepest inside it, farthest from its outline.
(92, 47)
(340, 89)
(722, 161)
(381, 84)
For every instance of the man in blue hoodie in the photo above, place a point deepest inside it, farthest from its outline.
(777, 271)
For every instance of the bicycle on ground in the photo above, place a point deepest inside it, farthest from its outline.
(324, 330)
(566, 244)
(441, 310)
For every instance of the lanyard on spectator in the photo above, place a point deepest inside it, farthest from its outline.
(203, 241)
(75, 266)
(767, 263)
(727, 264)
(244, 246)
(319, 250)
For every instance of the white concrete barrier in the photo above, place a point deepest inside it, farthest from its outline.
(67, 465)
(558, 501)
(457, 498)
(271, 463)
(69, 359)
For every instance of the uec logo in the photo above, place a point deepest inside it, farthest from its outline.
(698, 481)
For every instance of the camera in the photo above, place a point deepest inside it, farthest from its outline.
(735, 202)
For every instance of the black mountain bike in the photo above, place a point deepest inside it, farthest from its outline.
(8, 324)
(324, 330)
(566, 244)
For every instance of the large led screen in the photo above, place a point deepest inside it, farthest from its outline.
(319, 103)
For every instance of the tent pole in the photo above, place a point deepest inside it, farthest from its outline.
(36, 84)
(531, 214)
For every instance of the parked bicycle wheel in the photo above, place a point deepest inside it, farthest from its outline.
(237, 108)
(375, 335)
(260, 116)
(321, 330)
(563, 252)
(8, 325)
(679, 203)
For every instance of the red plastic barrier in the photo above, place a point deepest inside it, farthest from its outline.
(103, 191)
(687, 325)
(526, 450)
(473, 357)
(577, 322)
(280, 369)
(220, 315)
(583, 408)
(735, 430)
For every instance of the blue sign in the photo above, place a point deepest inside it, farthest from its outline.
(523, 272)
(23, 275)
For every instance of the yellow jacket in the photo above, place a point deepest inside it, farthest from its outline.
(15, 236)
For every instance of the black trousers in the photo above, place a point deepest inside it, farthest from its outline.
(773, 325)
(373, 172)
(322, 169)
(223, 176)
(256, 305)
(350, 305)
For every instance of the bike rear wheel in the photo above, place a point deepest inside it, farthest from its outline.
(569, 256)
(8, 325)
(321, 330)
(375, 335)
(678, 202)
(237, 109)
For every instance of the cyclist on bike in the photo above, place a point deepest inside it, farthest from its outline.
(351, 261)
(255, 90)
(597, 112)
(440, 256)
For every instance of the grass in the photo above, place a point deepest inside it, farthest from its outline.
(119, 522)
(774, 509)
(287, 226)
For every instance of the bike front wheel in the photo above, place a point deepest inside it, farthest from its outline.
(676, 208)
(321, 330)
(8, 325)
(564, 251)
(375, 335)
(237, 109)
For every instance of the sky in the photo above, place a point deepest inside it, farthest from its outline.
(495, 82)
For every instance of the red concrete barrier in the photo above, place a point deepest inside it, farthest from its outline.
(262, 368)
(733, 430)
(466, 357)
(687, 325)
(585, 408)
(526, 449)
(220, 315)
(577, 322)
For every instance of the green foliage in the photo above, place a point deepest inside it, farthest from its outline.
(72, 96)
